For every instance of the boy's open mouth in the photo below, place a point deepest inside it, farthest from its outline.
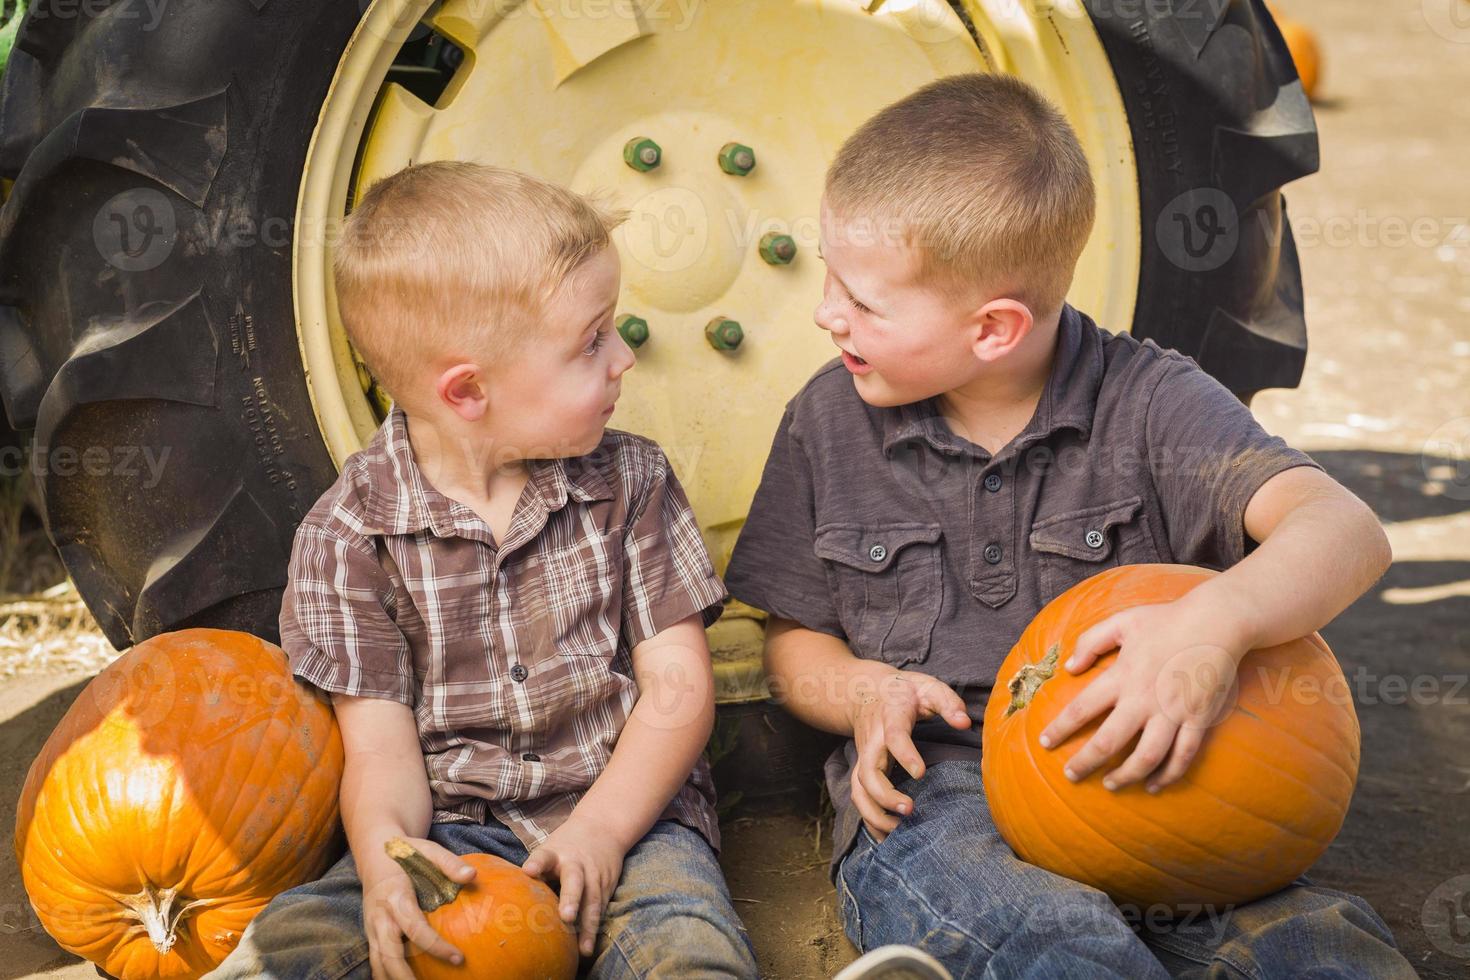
(855, 364)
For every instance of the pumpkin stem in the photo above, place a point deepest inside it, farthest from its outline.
(1029, 678)
(431, 886)
(153, 907)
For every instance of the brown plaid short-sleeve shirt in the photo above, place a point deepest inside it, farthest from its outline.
(516, 659)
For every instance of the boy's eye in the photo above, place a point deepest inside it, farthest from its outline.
(858, 306)
(597, 341)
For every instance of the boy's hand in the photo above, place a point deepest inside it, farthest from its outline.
(1174, 678)
(390, 910)
(882, 727)
(587, 864)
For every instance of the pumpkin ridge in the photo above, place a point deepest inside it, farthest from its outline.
(1023, 803)
(1238, 748)
(1321, 753)
(229, 843)
(1031, 758)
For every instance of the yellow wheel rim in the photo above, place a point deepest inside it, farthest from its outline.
(559, 88)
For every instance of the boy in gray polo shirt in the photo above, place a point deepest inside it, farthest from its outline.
(979, 447)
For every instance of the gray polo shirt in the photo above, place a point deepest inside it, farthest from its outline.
(882, 527)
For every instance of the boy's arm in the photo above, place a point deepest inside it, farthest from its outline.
(817, 677)
(820, 680)
(670, 594)
(385, 790)
(1321, 547)
(1224, 484)
(339, 635)
(666, 731)
(812, 670)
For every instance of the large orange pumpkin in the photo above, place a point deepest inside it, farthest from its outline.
(191, 781)
(504, 921)
(1265, 795)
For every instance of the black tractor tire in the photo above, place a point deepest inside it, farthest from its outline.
(148, 336)
(1219, 122)
(146, 315)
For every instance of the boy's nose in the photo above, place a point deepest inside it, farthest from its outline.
(625, 358)
(822, 317)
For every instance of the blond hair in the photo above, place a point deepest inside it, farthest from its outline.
(983, 177)
(459, 259)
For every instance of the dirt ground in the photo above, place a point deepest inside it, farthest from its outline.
(1384, 238)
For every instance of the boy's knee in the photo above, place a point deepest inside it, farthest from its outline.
(307, 932)
(680, 944)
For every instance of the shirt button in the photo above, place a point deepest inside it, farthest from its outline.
(518, 673)
(992, 482)
(530, 757)
(1094, 539)
(877, 552)
(993, 553)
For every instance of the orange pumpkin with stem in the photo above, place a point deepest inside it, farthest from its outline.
(1261, 801)
(504, 921)
(191, 781)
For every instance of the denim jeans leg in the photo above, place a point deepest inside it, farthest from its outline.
(1302, 929)
(947, 882)
(315, 930)
(671, 917)
(310, 932)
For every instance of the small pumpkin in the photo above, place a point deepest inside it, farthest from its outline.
(191, 781)
(1265, 795)
(504, 921)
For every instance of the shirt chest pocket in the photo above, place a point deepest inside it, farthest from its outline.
(1077, 544)
(888, 583)
(572, 596)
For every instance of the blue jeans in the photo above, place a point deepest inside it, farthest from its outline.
(669, 917)
(947, 882)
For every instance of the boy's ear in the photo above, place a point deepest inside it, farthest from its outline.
(998, 326)
(462, 388)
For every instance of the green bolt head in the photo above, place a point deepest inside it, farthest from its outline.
(642, 153)
(737, 159)
(777, 249)
(633, 329)
(723, 334)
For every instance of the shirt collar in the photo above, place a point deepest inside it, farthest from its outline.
(401, 500)
(1069, 399)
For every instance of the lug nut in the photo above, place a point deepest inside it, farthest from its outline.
(633, 329)
(642, 153)
(737, 159)
(777, 249)
(723, 334)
